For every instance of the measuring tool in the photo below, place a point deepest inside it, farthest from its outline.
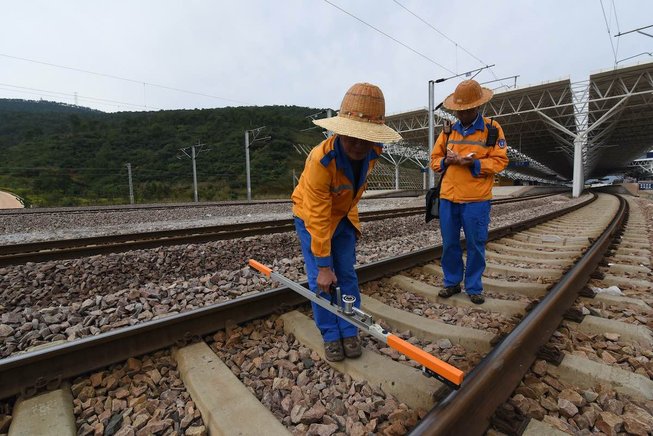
(345, 309)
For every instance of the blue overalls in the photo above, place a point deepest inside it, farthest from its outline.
(474, 218)
(343, 258)
(343, 255)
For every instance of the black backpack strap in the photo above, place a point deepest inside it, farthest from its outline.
(492, 134)
(446, 129)
(433, 194)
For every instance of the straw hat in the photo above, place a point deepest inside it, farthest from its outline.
(468, 95)
(361, 115)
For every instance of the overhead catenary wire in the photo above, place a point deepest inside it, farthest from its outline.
(50, 94)
(439, 32)
(75, 95)
(607, 25)
(616, 20)
(456, 44)
(126, 79)
(391, 37)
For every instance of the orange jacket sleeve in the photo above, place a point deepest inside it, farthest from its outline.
(438, 153)
(318, 198)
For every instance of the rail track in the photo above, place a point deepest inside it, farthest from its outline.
(82, 247)
(269, 356)
(132, 207)
(150, 207)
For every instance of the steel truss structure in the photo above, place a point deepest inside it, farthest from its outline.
(556, 131)
(413, 126)
(642, 166)
(603, 122)
(393, 173)
(621, 103)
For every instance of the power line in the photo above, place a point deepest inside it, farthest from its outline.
(447, 38)
(390, 37)
(608, 27)
(616, 19)
(75, 95)
(439, 32)
(111, 76)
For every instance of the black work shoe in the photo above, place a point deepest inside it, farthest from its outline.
(449, 291)
(477, 298)
(352, 346)
(333, 351)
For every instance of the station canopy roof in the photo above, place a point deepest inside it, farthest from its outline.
(624, 98)
(609, 114)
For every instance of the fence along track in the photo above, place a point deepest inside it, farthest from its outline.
(419, 387)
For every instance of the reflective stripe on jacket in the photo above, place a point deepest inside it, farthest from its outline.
(474, 183)
(326, 193)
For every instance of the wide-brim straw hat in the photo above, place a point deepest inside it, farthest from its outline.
(468, 95)
(361, 115)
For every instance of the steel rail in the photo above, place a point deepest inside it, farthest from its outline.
(499, 373)
(42, 251)
(48, 366)
(145, 207)
(82, 247)
(132, 207)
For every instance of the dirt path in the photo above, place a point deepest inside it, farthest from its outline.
(8, 201)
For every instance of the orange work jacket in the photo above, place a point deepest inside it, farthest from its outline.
(326, 193)
(463, 184)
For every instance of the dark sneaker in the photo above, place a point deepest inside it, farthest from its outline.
(449, 291)
(333, 351)
(352, 346)
(477, 298)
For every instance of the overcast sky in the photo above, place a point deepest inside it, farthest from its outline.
(292, 52)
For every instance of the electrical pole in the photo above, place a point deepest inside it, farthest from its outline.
(431, 177)
(329, 115)
(194, 175)
(193, 155)
(131, 186)
(255, 133)
(249, 182)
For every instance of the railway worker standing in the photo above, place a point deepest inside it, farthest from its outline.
(468, 155)
(325, 206)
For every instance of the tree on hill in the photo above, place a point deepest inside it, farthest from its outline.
(58, 154)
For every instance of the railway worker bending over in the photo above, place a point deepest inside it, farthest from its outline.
(325, 206)
(468, 155)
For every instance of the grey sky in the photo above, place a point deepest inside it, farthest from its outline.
(299, 52)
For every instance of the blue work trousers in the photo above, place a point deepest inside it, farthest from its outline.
(343, 255)
(474, 218)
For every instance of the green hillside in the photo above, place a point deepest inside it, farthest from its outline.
(56, 154)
